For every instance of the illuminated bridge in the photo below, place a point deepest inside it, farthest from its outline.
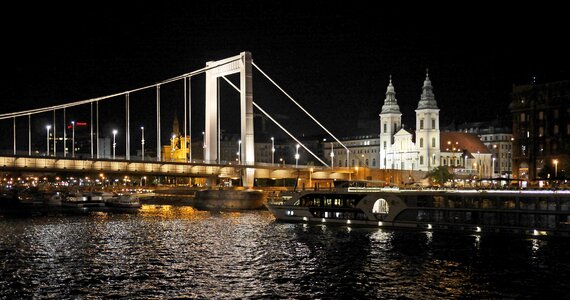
(175, 160)
(178, 161)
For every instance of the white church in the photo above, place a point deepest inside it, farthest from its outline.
(425, 148)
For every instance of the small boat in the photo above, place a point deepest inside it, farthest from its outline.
(123, 201)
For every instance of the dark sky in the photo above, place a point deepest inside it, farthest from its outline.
(335, 60)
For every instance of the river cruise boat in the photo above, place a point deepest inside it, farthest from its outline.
(526, 212)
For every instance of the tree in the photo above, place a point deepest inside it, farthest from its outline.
(439, 175)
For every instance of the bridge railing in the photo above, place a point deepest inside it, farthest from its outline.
(47, 163)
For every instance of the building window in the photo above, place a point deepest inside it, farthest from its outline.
(385, 127)
(432, 123)
(421, 123)
(384, 144)
(540, 131)
(433, 142)
(541, 115)
(340, 163)
(421, 160)
(555, 129)
(422, 140)
(374, 162)
(522, 117)
(556, 113)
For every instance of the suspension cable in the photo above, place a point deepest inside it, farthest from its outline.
(277, 123)
(291, 98)
(97, 99)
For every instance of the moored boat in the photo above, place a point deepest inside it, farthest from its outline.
(543, 212)
(76, 198)
(128, 201)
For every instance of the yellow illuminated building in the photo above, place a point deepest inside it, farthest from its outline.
(179, 148)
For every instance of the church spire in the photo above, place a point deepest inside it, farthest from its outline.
(390, 103)
(427, 100)
(175, 126)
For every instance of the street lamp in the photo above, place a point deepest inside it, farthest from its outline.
(239, 152)
(172, 147)
(114, 144)
(297, 157)
(73, 139)
(555, 161)
(332, 155)
(272, 151)
(48, 127)
(142, 142)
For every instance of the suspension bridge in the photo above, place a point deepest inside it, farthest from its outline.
(210, 166)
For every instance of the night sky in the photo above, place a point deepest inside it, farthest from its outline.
(334, 60)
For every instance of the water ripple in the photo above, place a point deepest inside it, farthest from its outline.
(179, 252)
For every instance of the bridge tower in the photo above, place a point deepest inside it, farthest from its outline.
(241, 64)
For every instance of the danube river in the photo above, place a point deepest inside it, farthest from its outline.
(179, 252)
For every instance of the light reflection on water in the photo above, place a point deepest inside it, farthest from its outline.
(168, 251)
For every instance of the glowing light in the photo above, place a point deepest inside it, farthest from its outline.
(305, 219)
(429, 226)
(347, 221)
(380, 223)
(323, 220)
(478, 229)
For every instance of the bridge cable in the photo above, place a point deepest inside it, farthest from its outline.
(97, 99)
(291, 98)
(277, 123)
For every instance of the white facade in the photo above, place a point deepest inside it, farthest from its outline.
(397, 148)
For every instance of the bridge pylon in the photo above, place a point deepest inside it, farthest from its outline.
(241, 64)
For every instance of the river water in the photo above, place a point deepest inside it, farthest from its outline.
(165, 252)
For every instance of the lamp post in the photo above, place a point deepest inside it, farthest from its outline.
(555, 168)
(297, 156)
(272, 151)
(142, 143)
(114, 144)
(332, 155)
(73, 139)
(311, 177)
(172, 147)
(239, 152)
(48, 127)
